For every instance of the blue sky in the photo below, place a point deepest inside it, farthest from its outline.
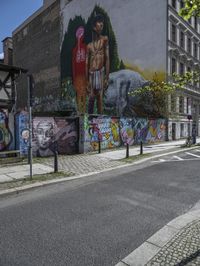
(13, 13)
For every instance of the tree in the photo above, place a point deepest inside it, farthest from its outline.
(191, 8)
(157, 92)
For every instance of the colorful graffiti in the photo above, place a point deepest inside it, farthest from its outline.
(5, 133)
(22, 132)
(113, 132)
(50, 134)
(104, 129)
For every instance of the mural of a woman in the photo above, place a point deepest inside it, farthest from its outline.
(78, 69)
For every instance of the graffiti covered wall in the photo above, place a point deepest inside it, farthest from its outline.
(105, 129)
(6, 137)
(49, 133)
(22, 132)
(55, 133)
(104, 58)
(115, 132)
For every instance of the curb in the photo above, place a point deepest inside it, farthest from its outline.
(144, 253)
(17, 190)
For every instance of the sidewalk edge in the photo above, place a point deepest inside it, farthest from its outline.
(17, 190)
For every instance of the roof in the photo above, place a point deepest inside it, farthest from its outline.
(14, 69)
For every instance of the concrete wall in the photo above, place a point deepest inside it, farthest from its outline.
(36, 48)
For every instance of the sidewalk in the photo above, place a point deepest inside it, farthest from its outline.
(85, 163)
(176, 244)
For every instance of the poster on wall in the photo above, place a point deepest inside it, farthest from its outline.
(98, 69)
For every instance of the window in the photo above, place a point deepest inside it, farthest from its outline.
(195, 50)
(195, 23)
(188, 105)
(173, 33)
(173, 65)
(174, 3)
(189, 45)
(182, 4)
(188, 69)
(182, 40)
(181, 104)
(173, 103)
(181, 70)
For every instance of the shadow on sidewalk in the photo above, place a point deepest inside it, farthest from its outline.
(188, 259)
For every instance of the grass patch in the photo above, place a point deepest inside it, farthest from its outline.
(135, 158)
(35, 178)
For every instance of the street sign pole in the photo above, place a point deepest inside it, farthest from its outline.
(30, 124)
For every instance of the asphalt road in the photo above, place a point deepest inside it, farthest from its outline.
(96, 220)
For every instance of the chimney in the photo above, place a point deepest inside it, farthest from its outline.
(8, 51)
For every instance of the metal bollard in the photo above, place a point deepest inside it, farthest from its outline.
(55, 161)
(127, 150)
(141, 148)
(99, 146)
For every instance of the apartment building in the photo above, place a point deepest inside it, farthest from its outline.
(183, 56)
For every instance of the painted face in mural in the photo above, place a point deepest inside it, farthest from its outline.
(44, 134)
(25, 135)
(98, 27)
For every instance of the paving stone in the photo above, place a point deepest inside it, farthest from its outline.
(175, 253)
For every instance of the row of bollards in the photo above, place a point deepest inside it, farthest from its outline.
(127, 149)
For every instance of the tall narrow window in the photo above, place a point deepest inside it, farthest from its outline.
(182, 4)
(195, 23)
(195, 50)
(181, 70)
(173, 65)
(173, 33)
(174, 3)
(188, 69)
(181, 104)
(189, 45)
(182, 40)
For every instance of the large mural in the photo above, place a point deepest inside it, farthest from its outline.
(99, 64)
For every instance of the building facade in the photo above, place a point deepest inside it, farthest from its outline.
(183, 56)
(71, 59)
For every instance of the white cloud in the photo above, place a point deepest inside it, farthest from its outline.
(1, 55)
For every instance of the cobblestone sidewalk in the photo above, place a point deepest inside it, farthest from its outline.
(183, 249)
(83, 163)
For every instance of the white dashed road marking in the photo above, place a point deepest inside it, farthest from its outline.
(194, 155)
(178, 158)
